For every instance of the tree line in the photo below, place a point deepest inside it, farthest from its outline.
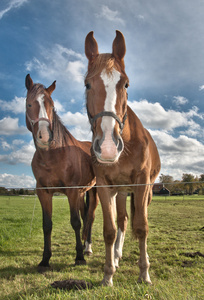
(189, 184)
(16, 192)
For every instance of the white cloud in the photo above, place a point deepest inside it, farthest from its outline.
(201, 87)
(18, 152)
(18, 142)
(180, 100)
(5, 146)
(179, 155)
(58, 106)
(141, 17)
(17, 181)
(75, 119)
(76, 70)
(57, 61)
(110, 15)
(78, 125)
(9, 126)
(16, 106)
(81, 134)
(154, 116)
(23, 155)
(14, 144)
(11, 5)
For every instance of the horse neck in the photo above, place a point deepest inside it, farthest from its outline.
(133, 127)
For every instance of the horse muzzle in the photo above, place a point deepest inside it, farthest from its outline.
(108, 150)
(44, 135)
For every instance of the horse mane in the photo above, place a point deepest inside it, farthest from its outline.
(102, 61)
(61, 135)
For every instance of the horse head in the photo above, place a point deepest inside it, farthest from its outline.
(106, 97)
(39, 112)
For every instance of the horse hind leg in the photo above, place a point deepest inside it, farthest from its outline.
(122, 219)
(140, 230)
(92, 201)
(76, 225)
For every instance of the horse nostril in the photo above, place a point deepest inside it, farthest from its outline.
(97, 147)
(120, 145)
(40, 135)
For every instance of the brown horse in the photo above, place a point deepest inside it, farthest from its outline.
(60, 161)
(124, 155)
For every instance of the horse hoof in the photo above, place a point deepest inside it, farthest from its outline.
(106, 283)
(88, 253)
(140, 280)
(80, 262)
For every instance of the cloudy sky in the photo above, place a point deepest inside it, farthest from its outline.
(164, 62)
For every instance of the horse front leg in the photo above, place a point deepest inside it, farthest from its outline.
(140, 229)
(109, 231)
(74, 201)
(46, 203)
(122, 219)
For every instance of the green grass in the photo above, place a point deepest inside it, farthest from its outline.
(175, 229)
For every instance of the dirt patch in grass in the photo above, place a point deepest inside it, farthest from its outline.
(71, 284)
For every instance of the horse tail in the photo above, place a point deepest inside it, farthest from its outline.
(132, 209)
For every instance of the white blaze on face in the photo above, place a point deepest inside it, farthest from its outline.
(42, 113)
(43, 133)
(108, 147)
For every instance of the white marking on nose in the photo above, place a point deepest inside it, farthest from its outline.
(110, 81)
(42, 112)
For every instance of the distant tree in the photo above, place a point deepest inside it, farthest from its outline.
(13, 191)
(201, 179)
(21, 192)
(167, 179)
(3, 190)
(189, 186)
(178, 188)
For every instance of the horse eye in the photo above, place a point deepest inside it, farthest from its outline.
(88, 86)
(29, 105)
(126, 85)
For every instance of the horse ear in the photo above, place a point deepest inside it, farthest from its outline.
(51, 88)
(28, 82)
(91, 47)
(119, 48)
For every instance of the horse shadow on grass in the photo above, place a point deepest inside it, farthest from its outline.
(26, 267)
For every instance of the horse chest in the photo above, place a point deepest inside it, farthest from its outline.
(115, 175)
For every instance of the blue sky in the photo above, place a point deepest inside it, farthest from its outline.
(164, 62)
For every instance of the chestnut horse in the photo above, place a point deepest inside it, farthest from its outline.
(59, 161)
(124, 155)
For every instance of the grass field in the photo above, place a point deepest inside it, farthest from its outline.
(176, 233)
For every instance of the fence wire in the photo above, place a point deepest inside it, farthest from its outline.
(106, 186)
